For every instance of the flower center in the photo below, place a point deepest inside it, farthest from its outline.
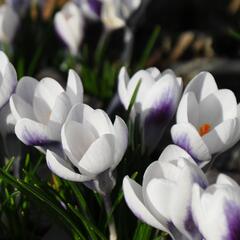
(204, 129)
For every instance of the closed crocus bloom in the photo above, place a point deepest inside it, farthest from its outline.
(93, 145)
(41, 107)
(164, 199)
(8, 79)
(69, 24)
(156, 101)
(217, 209)
(207, 119)
(115, 13)
(8, 23)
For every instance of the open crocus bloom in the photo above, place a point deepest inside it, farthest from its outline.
(69, 24)
(93, 145)
(156, 101)
(41, 107)
(216, 209)
(8, 79)
(9, 21)
(207, 119)
(164, 199)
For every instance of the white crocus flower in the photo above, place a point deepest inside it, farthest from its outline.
(9, 21)
(93, 145)
(207, 119)
(164, 199)
(216, 209)
(115, 13)
(156, 101)
(41, 107)
(69, 24)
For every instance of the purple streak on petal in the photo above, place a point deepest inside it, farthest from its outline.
(96, 6)
(157, 119)
(232, 212)
(183, 142)
(33, 139)
(190, 225)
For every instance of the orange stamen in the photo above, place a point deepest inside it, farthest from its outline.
(204, 129)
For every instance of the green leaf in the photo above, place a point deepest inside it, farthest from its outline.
(134, 96)
(143, 231)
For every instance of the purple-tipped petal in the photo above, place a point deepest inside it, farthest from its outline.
(232, 212)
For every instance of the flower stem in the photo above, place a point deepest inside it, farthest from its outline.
(111, 222)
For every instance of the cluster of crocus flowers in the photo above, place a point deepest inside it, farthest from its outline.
(83, 145)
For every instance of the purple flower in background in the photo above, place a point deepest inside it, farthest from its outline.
(20, 6)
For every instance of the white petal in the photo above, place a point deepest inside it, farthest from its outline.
(121, 140)
(99, 156)
(76, 139)
(63, 169)
(74, 87)
(26, 88)
(8, 84)
(159, 193)
(20, 108)
(155, 73)
(217, 107)
(202, 85)
(188, 110)
(224, 179)
(32, 133)
(223, 136)
(123, 80)
(174, 152)
(76, 113)
(133, 196)
(187, 137)
(45, 96)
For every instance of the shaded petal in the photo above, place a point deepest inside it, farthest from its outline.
(76, 113)
(218, 107)
(20, 108)
(134, 199)
(99, 156)
(76, 139)
(202, 85)
(123, 80)
(224, 179)
(63, 169)
(121, 140)
(187, 137)
(33, 133)
(188, 110)
(26, 89)
(223, 136)
(155, 73)
(74, 87)
(45, 97)
(8, 84)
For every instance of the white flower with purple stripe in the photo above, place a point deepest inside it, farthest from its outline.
(69, 24)
(93, 146)
(207, 119)
(164, 199)
(156, 101)
(41, 108)
(216, 209)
